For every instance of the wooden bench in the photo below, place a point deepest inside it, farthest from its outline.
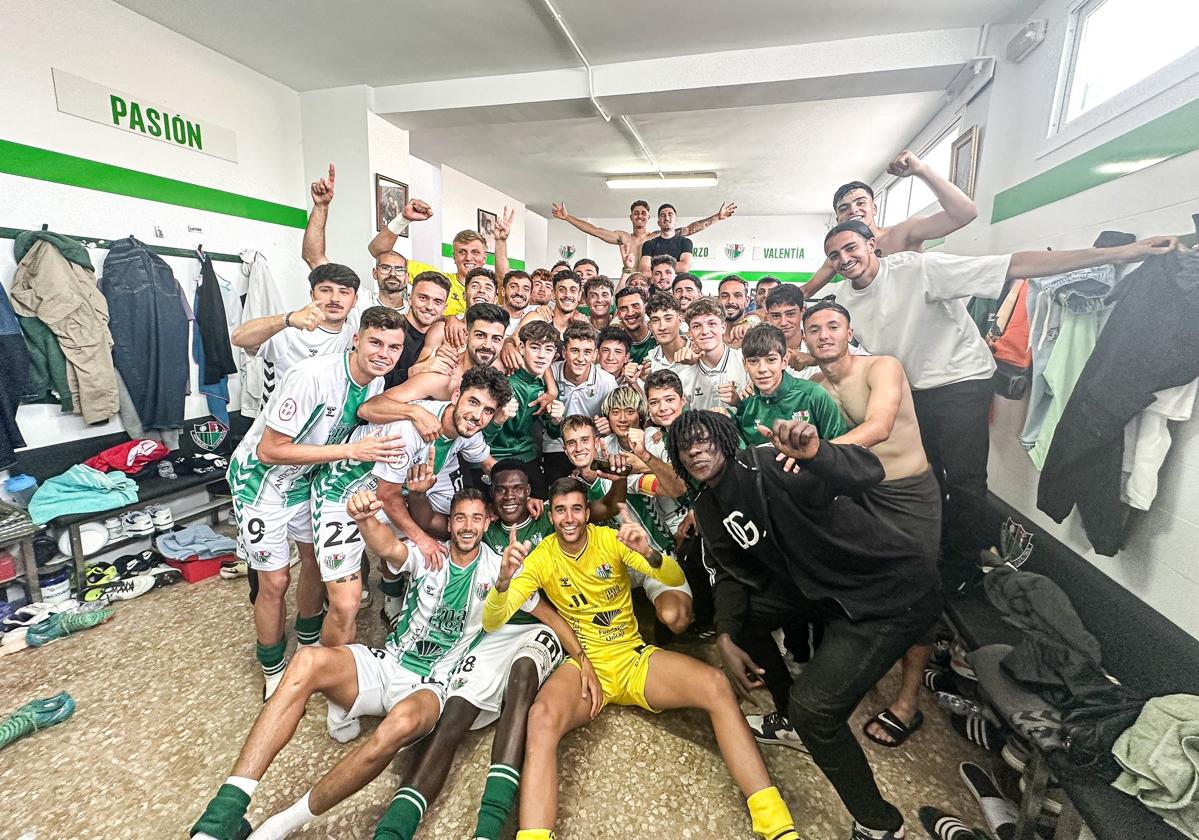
(1141, 648)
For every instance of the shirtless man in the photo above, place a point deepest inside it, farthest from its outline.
(873, 392)
(855, 200)
(639, 217)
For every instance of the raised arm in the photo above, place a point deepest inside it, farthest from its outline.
(612, 237)
(363, 506)
(516, 582)
(414, 211)
(819, 280)
(397, 404)
(256, 332)
(502, 230)
(844, 469)
(391, 495)
(640, 556)
(887, 383)
(669, 483)
(1048, 263)
(313, 248)
(725, 212)
(278, 448)
(957, 208)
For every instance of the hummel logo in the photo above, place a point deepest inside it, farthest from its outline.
(604, 619)
(564, 581)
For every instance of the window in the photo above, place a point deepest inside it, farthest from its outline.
(906, 197)
(1113, 44)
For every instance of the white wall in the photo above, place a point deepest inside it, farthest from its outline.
(462, 197)
(106, 43)
(426, 185)
(536, 237)
(1159, 564)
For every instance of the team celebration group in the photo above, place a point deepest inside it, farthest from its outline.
(517, 452)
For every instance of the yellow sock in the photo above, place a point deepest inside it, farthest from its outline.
(535, 834)
(772, 820)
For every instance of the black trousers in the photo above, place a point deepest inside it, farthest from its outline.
(954, 429)
(852, 657)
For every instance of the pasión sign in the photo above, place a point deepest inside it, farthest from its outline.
(118, 109)
(778, 252)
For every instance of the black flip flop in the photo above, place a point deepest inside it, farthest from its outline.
(894, 727)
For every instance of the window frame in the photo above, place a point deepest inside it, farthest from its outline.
(952, 131)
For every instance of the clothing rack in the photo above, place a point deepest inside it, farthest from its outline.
(101, 242)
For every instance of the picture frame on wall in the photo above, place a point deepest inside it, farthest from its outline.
(390, 197)
(486, 227)
(963, 160)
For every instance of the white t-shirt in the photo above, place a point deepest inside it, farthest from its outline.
(291, 345)
(701, 384)
(915, 310)
(584, 398)
(442, 452)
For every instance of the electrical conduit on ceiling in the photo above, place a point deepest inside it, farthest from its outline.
(624, 120)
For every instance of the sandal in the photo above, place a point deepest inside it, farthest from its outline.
(894, 727)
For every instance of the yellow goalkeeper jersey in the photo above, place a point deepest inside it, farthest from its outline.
(591, 591)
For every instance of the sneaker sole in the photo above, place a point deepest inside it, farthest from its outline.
(778, 743)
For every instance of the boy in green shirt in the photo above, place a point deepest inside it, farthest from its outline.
(514, 439)
(775, 396)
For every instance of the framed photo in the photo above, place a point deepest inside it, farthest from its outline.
(390, 198)
(963, 160)
(487, 228)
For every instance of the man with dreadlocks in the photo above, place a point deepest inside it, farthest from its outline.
(871, 583)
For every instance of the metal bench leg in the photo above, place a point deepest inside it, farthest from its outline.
(77, 560)
(1036, 780)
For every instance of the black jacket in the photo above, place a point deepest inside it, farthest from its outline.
(1150, 342)
(759, 522)
(213, 327)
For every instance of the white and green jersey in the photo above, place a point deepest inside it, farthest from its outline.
(286, 348)
(639, 502)
(442, 617)
(442, 453)
(317, 404)
(338, 481)
(670, 511)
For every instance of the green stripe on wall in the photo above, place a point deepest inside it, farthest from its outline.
(1168, 136)
(755, 276)
(447, 250)
(45, 165)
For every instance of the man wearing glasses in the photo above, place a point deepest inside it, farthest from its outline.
(391, 282)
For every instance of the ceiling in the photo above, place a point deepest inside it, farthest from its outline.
(313, 44)
(778, 148)
(771, 159)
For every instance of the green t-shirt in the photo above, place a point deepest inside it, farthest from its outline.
(642, 348)
(795, 399)
(514, 439)
(533, 530)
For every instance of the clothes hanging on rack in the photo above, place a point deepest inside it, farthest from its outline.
(149, 330)
(263, 297)
(1150, 342)
(1147, 440)
(212, 326)
(62, 293)
(48, 379)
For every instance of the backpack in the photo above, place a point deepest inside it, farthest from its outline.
(1008, 339)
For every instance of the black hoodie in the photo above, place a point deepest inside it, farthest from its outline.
(761, 523)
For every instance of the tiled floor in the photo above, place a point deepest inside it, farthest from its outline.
(167, 691)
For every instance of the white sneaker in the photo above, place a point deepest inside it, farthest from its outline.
(137, 523)
(270, 684)
(773, 728)
(115, 530)
(162, 518)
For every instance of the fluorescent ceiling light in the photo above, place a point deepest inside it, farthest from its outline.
(666, 181)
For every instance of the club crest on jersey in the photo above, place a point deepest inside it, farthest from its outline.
(457, 683)
(604, 571)
(805, 416)
(604, 619)
(208, 436)
(482, 589)
(334, 561)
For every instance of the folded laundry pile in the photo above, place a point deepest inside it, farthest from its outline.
(81, 489)
(195, 541)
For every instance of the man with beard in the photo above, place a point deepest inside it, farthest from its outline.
(630, 310)
(518, 290)
(438, 378)
(733, 294)
(583, 570)
(764, 287)
(404, 682)
(687, 289)
(797, 547)
(270, 479)
(639, 218)
(662, 273)
(855, 200)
